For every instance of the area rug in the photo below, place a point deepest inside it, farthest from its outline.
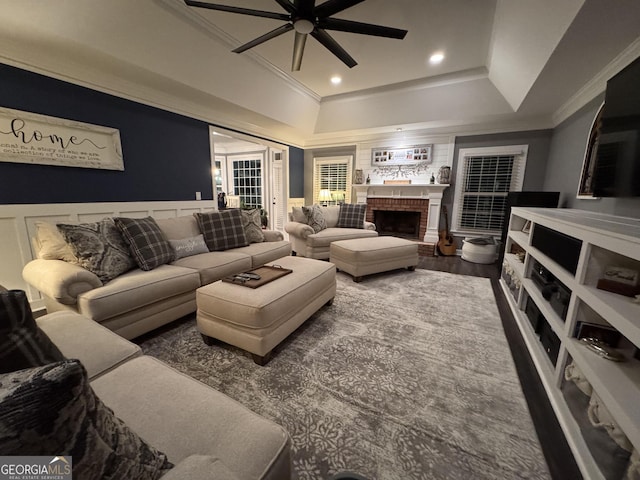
(408, 375)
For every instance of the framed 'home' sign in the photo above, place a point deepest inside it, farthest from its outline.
(387, 156)
(32, 138)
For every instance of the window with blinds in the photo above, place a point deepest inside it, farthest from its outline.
(485, 177)
(332, 180)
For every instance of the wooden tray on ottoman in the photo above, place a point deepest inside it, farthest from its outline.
(268, 273)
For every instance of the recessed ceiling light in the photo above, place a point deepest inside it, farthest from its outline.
(399, 129)
(436, 58)
(336, 80)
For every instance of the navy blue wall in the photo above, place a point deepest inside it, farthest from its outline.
(166, 156)
(296, 172)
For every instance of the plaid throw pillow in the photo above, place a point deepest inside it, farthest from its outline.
(147, 243)
(22, 343)
(222, 230)
(352, 215)
(53, 408)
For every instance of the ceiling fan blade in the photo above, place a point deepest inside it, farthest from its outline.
(243, 11)
(330, 44)
(267, 36)
(287, 5)
(304, 7)
(330, 7)
(362, 28)
(298, 50)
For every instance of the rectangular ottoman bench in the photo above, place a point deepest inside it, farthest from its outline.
(366, 256)
(257, 320)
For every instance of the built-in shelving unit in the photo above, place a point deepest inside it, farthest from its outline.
(550, 323)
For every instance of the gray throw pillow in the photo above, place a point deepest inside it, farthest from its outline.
(315, 218)
(222, 230)
(186, 247)
(99, 248)
(65, 417)
(352, 215)
(252, 223)
(22, 343)
(147, 243)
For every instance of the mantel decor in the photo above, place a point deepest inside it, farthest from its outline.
(388, 156)
(39, 139)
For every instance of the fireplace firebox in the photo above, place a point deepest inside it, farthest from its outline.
(397, 223)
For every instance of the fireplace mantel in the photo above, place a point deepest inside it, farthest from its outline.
(431, 192)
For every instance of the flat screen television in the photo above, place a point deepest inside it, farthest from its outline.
(617, 166)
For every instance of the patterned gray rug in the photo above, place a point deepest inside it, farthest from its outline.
(407, 375)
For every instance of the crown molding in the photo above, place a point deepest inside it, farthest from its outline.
(597, 84)
(477, 126)
(180, 10)
(412, 85)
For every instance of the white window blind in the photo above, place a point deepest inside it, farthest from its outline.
(332, 178)
(485, 177)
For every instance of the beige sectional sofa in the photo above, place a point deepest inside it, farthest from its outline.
(139, 301)
(204, 433)
(306, 242)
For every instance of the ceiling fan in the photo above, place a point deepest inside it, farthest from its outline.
(305, 18)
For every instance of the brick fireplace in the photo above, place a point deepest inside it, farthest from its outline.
(377, 209)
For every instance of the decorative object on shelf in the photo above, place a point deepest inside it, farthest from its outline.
(444, 174)
(396, 182)
(604, 333)
(599, 416)
(233, 201)
(358, 178)
(389, 156)
(527, 227)
(602, 349)
(573, 373)
(432, 180)
(368, 179)
(222, 201)
(620, 280)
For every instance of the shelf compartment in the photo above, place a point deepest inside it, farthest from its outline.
(519, 237)
(557, 324)
(577, 393)
(616, 383)
(620, 311)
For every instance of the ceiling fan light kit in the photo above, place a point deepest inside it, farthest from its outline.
(305, 18)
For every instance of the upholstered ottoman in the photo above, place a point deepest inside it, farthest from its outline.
(258, 319)
(365, 256)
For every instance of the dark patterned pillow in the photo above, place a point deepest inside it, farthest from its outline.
(252, 223)
(222, 230)
(147, 243)
(352, 215)
(65, 417)
(315, 218)
(99, 248)
(22, 343)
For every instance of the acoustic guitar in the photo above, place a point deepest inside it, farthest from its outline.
(446, 244)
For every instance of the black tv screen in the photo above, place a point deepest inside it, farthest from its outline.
(617, 168)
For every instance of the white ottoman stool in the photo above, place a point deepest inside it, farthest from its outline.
(257, 320)
(365, 256)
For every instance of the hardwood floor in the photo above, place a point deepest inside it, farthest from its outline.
(562, 465)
